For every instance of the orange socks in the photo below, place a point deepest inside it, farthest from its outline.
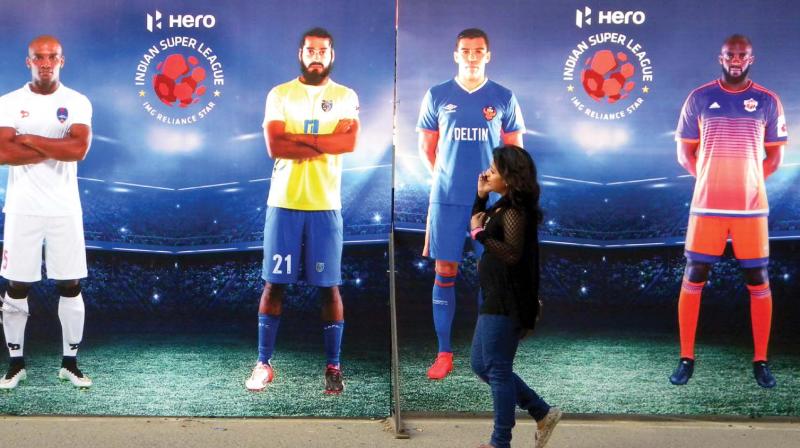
(760, 318)
(688, 313)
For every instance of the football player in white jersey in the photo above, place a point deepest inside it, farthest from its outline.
(45, 129)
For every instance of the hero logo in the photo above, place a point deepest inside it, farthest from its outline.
(608, 17)
(181, 21)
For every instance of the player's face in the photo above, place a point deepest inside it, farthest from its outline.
(735, 58)
(316, 59)
(495, 180)
(45, 61)
(472, 55)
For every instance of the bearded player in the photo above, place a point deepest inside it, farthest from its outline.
(460, 122)
(45, 129)
(731, 136)
(309, 122)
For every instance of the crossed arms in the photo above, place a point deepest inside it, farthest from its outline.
(283, 145)
(27, 149)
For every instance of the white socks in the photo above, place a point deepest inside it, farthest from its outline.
(71, 313)
(15, 316)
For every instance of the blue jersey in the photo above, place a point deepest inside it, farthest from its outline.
(470, 125)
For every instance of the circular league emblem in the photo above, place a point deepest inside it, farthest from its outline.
(608, 76)
(180, 80)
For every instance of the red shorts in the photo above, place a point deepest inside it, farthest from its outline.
(707, 236)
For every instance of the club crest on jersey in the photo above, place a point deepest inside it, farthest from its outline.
(782, 130)
(489, 112)
(320, 266)
(24, 114)
(327, 105)
(62, 113)
(750, 105)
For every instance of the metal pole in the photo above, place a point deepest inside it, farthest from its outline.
(399, 430)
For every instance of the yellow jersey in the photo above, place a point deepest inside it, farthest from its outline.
(315, 183)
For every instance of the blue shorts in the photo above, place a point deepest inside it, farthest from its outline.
(448, 227)
(311, 237)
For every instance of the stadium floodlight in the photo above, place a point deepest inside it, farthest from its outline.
(593, 137)
(174, 141)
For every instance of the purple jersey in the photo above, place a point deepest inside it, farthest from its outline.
(732, 129)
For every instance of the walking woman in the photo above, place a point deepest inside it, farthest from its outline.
(509, 279)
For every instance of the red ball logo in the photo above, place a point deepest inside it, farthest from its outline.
(173, 84)
(607, 75)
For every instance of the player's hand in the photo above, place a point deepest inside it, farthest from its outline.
(483, 185)
(343, 126)
(477, 220)
(24, 139)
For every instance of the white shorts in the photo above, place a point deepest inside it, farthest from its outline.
(65, 249)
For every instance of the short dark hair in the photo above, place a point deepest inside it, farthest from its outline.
(316, 32)
(473, 33)
(741, 37)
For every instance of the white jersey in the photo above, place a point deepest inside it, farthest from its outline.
(49, 188)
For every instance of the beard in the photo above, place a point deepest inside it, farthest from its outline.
(314, 78)
(730, 79)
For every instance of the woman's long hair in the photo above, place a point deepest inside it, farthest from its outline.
(518, 170)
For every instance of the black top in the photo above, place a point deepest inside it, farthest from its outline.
(509, 268)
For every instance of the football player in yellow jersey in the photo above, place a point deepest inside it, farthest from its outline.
(309, 122)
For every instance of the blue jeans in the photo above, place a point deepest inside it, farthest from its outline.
(493, 349)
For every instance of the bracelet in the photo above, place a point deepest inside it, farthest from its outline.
(475, 232)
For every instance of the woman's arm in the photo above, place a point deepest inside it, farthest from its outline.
(510, 249)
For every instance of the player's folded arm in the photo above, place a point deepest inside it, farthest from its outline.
(15, 153)
(281, 145)
(341, 141)
(71, 148)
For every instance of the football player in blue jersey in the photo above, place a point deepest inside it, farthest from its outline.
(460, 122)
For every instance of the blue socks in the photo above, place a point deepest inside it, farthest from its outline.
(267, 331)
(332, 334)
(444, 309)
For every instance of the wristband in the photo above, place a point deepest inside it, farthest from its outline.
(475, 232)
